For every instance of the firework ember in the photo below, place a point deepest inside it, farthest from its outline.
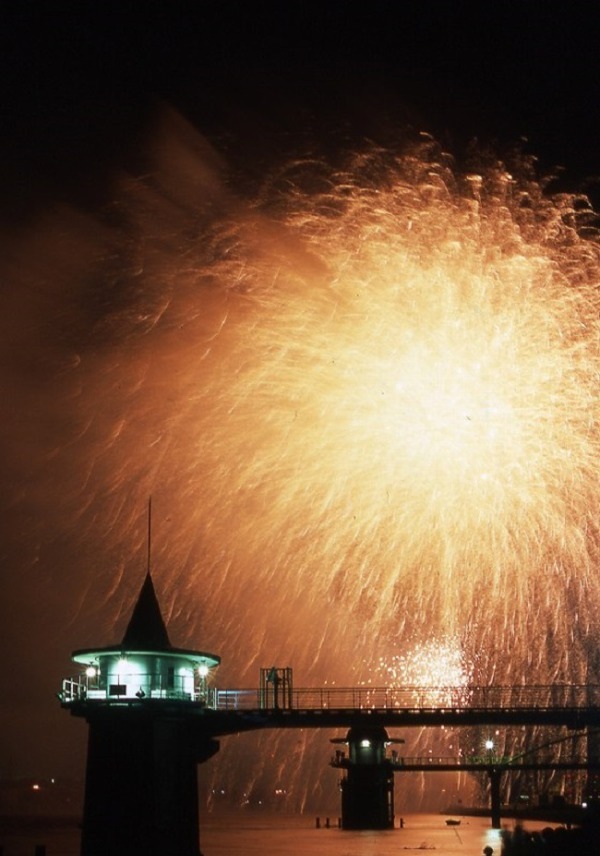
(436, 670)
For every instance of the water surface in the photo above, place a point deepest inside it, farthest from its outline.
(264, 834)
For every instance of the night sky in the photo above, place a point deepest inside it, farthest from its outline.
(82, 91)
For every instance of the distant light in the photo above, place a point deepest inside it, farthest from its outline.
(90, 672)
(365, 743)
(35, 787)
(203, 670)
(489, 744)
(583, 805)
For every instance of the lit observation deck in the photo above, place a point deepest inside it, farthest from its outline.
(144, 666)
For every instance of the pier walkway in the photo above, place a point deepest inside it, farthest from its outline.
(485, 763)
(226, 711)
(568, 705)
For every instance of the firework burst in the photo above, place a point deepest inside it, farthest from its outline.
(368, 399)
(398, 408)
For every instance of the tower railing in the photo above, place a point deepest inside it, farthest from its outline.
(136, 686)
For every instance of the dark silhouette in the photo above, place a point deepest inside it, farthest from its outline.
(550, 841)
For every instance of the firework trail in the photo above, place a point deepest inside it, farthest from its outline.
(365, 397)
(394, 411)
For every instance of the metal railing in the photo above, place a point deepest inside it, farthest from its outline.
(490, 698)
(424, 762)
(561, 697)
(135, 687)
(484, 760)
(474, 762)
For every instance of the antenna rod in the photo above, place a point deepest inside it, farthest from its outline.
(149, 530)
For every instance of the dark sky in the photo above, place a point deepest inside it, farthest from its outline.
(79, 93)
(79, 86)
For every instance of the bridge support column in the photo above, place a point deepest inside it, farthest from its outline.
(368, 785)
(495, 797)
(592, 783)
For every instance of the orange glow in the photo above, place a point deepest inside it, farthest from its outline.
(376, 398)
(365, 404)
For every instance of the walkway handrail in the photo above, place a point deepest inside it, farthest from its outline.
(425, 762)
(535, 697)
(402, 699)
(483, 760)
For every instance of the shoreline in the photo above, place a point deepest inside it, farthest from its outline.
(567, 815)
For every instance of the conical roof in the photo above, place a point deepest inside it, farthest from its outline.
(146, 630)
(146, 633)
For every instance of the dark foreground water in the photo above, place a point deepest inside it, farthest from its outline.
(234, 834)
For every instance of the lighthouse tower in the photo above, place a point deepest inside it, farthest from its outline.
(144, 701)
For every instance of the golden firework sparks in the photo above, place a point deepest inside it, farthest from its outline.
(399, 404)
(369, 400)
(378, 393)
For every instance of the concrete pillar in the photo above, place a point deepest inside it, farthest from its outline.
(495, 797)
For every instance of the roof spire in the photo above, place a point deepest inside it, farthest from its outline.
(146, 629)
(149, 532)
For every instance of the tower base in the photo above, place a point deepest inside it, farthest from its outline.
(368, 798)
(141, 796)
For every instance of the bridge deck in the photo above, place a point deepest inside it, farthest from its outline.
(226, 711)
(477, 764)
(230, 721)
(570, 705)
(532, 697)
